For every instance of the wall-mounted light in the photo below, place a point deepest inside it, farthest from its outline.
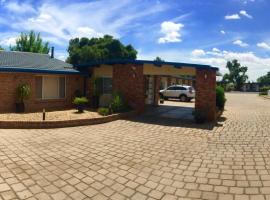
(205, 76)
(133, 71)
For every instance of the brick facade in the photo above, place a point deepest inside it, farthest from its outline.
(206, 93)
(10, 81)
(129, 80)
(157, 88)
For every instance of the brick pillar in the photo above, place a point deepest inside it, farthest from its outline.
(169, 82)
(206, 93)
(129, 81)
(157, 87)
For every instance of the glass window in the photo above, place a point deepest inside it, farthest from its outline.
(104, 85)
(107, 85)
(50, 87)
(170, 88)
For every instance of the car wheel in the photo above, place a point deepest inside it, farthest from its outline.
(183, 98)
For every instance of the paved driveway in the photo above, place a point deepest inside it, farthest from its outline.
(135, 160)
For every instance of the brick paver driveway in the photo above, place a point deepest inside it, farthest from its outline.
(134, 160)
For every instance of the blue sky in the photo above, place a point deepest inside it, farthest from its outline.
(206, 32)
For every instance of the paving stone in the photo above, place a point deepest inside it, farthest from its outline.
(134, 159)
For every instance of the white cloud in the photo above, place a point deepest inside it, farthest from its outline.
(215, 49)
(240, 43)
(257, 66)
(171, 32)
(65, 21)
(198, 52)
(223, 32)
(19, 8)
(263, 45)
(232, 17)
(11, 41)
(244, 13)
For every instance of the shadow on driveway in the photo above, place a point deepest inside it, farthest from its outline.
(174, 114)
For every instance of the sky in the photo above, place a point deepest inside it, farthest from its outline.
(194, 31)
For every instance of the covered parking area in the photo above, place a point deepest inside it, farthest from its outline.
(139, 81)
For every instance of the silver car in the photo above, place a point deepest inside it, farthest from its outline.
(182, 92)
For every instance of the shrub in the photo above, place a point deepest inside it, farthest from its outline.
(229, 87)
(220, 98)
(23, 92)
(264, 90)
(104, 111)
(80, 101)
(117, 104)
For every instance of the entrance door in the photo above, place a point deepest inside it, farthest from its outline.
(149, 91)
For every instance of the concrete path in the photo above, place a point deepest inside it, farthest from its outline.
(140, 160)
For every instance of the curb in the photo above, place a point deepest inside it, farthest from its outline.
(63, 124)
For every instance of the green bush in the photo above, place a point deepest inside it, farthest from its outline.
(117, 104)
(264, 90)
(104, 111)
(23, 92)
(229, 87)
(220, 98)
(80, 101)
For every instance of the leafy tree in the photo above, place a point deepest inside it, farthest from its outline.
(158, 59)
(1, 48)
(31, 42)
(264, 79)
(237, 74)
(85, 50)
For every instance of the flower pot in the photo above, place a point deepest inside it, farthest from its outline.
(161, 101)
(20, 108)
(80, 108)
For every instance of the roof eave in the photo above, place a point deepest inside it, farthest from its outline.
(41, 71)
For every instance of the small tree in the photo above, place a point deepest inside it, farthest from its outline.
(265, 80)
(237, 74)
(158, 59)
(23, 93)
(1, 48)
(31, 42)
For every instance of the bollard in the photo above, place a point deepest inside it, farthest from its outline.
(43, 114)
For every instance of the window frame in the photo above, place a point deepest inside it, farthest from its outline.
(58, 87)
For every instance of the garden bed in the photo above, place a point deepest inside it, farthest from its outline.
(58, 119)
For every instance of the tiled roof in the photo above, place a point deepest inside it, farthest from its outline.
(157, 63)
(13, 61)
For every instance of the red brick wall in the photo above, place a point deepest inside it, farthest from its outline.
(129, 81)
(157, 88)
(10, 81)
(206, 93)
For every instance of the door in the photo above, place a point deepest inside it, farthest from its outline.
(150, 90)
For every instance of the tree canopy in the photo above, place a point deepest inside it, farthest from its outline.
(264, 79)
(237, 74)
(158, 59)
(31, 42)
(83, 50)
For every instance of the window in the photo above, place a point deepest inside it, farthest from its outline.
(181, 88)
(50, 87)
(104, 85)
(170, 88)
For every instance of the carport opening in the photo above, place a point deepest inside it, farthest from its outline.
(176, 97)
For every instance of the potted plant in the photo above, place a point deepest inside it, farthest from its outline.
(23, 92)
(96, 92)
(80, 103)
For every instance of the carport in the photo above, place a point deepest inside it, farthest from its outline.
(139, 81)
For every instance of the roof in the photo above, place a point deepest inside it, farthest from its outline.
(157, 63)
(14, 61)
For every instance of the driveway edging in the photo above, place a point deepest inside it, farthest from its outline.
(65, 123)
